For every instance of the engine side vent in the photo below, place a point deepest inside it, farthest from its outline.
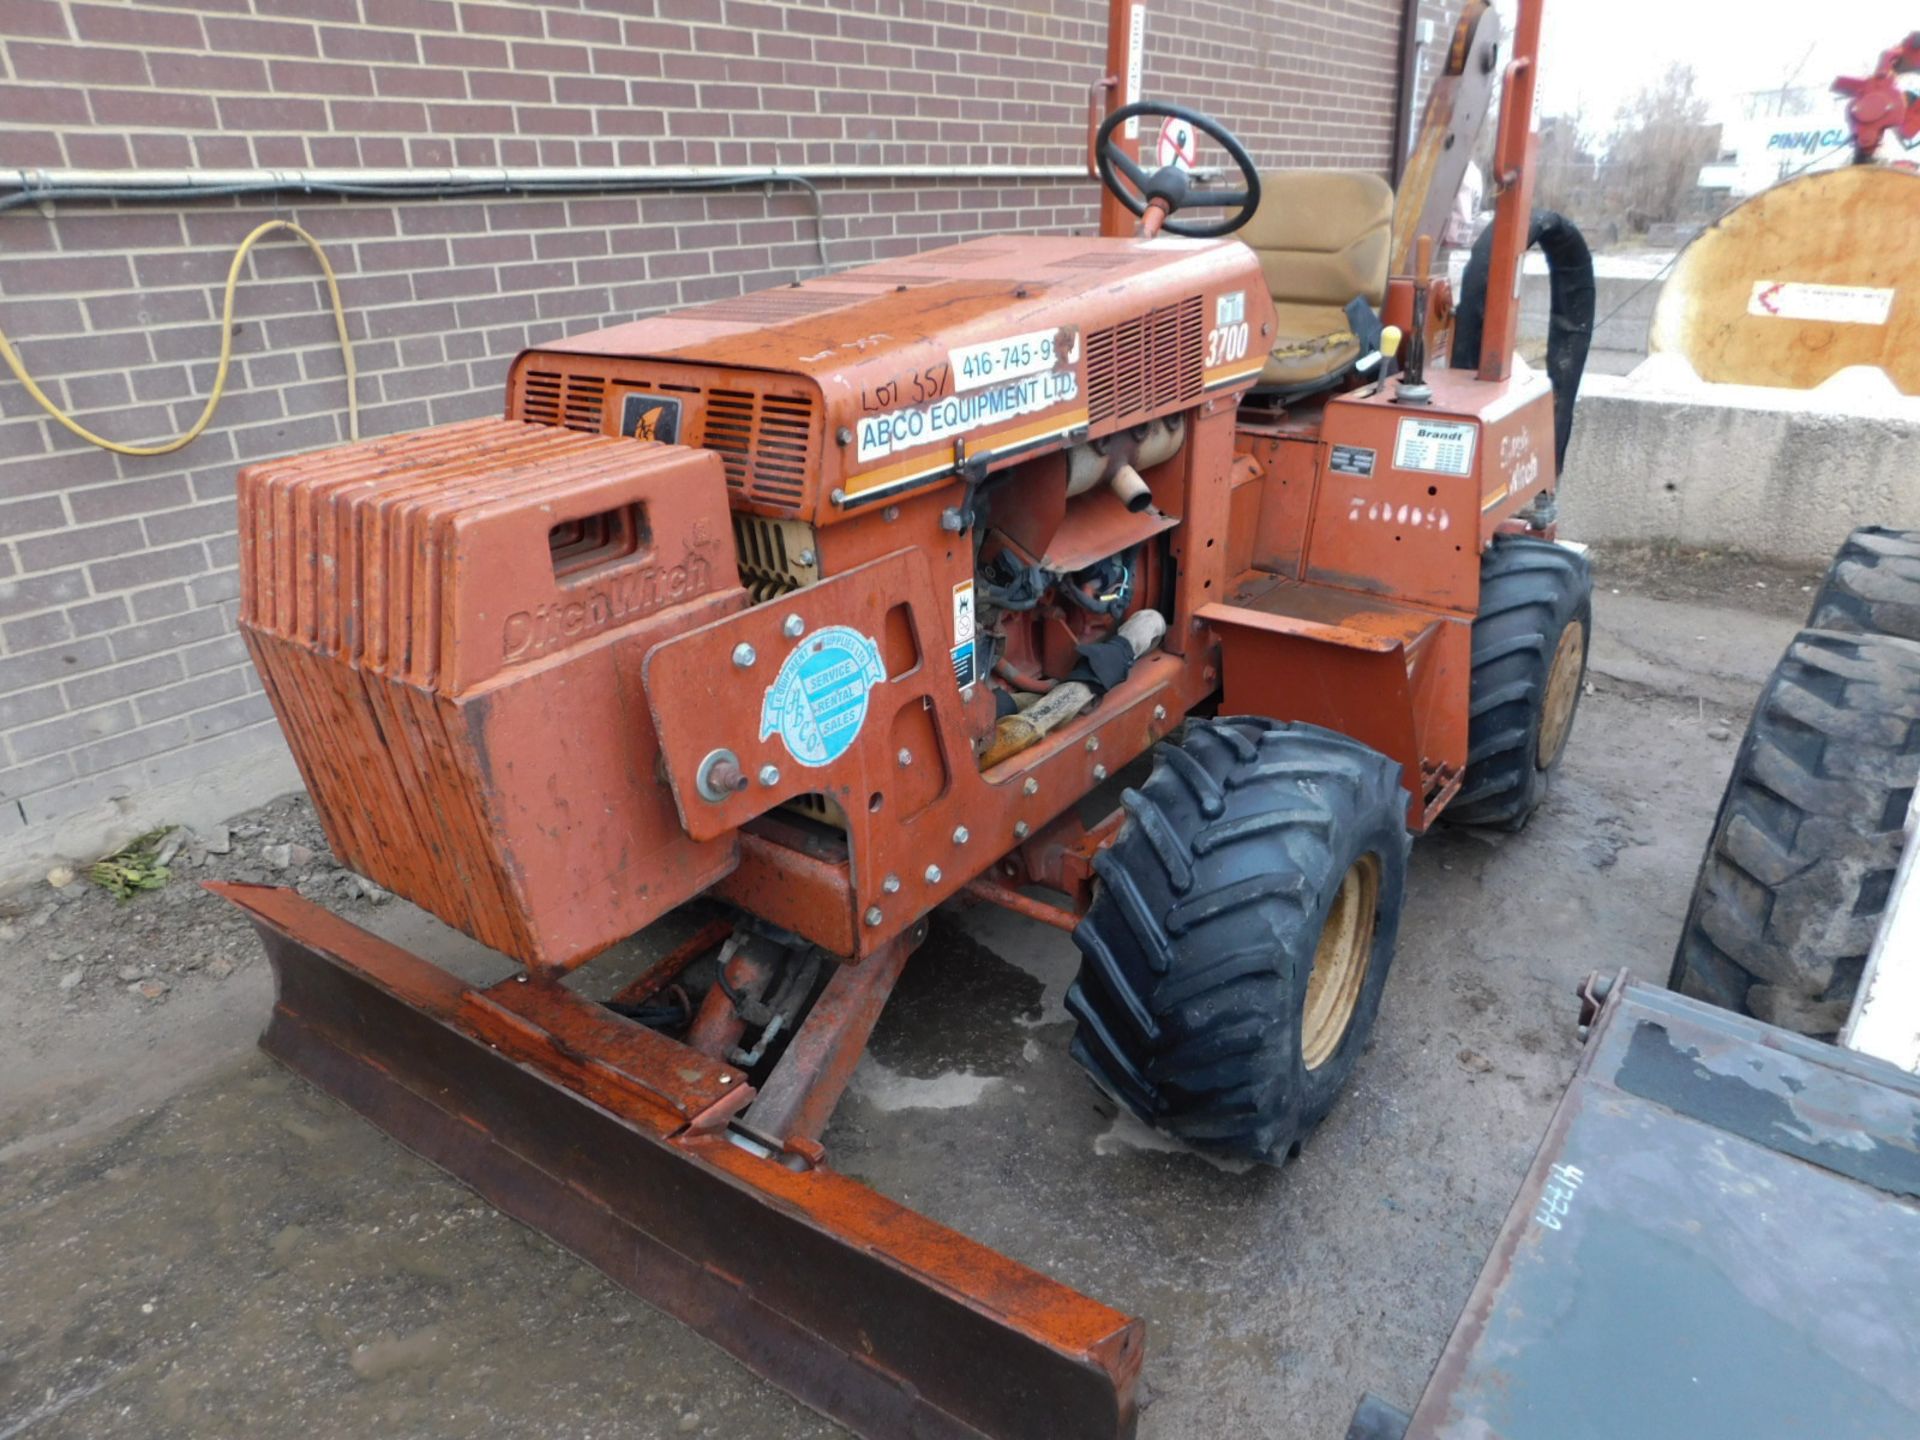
(1147, 365)
(764, 442)
(574, 401)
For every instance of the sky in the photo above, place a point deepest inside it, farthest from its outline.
(1600, 53)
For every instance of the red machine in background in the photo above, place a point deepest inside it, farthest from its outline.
(1877, 104)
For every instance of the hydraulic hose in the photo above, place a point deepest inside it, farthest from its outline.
(49, 194)
(192, 432)
(1569, 328)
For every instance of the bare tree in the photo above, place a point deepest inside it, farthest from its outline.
(1568, 169)
(1659, 142)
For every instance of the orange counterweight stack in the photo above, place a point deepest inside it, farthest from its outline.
(450, 625)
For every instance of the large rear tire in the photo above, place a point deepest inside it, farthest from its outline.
(1241, 931)
(1873, 585)
(1529, 669)
(1796, 878)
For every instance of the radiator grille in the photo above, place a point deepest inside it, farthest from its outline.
(1147, 365)
(776, 557)
(575, 401)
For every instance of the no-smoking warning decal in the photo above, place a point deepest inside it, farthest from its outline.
(1177, 144)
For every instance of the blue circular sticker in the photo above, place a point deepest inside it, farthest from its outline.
(818, 701)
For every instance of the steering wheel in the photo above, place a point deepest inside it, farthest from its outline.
(1137, 189)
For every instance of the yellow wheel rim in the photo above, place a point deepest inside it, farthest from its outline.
(1563, 693)
(1340, 962)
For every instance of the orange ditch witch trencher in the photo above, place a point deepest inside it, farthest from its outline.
(1145, 573)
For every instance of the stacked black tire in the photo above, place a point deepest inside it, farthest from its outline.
(1796, 877)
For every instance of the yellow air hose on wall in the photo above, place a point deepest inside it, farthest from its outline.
(167, 447)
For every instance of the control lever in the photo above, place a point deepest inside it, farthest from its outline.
(1413, 388)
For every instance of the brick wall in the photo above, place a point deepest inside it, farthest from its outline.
(120, 672)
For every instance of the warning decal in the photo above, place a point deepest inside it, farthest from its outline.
(956, 415)
(1441, 447)
(1838, 304)
(1177, 145)
(1136, 55)
(963, 633)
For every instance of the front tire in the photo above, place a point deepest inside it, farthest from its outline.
(1241, 931)
(1529, 668)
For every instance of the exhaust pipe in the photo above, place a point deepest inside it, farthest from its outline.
(1131, 489)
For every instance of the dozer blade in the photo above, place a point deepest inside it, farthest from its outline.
(873, 1315)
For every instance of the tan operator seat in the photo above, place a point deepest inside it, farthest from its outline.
(1322, 238)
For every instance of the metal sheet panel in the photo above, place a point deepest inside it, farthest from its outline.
(1718, 1240)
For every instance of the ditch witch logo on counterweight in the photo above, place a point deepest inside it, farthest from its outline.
(650, 417)
(628, 595)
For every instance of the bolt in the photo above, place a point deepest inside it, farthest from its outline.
(960, 836)
(769, 775)
(874, 917)
(1159, 712)
(1019, 829)
(793, 627)
(1198, 623)
(905, 757)
(838, 496)
(743, 655)
(1099, 772)
(890, 514)
(805, 557)
(1032, 787)
(843, 435)
(1093, 743)
(726, 1079)
(1209, 674)
(952, 521)
(720, 776)
(891, 884)
(933, 874)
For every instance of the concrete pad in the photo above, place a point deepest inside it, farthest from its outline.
(1724, 661)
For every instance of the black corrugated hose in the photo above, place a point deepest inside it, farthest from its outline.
(1569, 328)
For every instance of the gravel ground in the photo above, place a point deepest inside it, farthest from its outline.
(194, 1243)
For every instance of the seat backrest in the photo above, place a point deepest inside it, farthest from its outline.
(1322, 236)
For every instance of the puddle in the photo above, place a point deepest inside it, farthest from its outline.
(959, 1007)
(888, 1090)
(1130, 1134)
